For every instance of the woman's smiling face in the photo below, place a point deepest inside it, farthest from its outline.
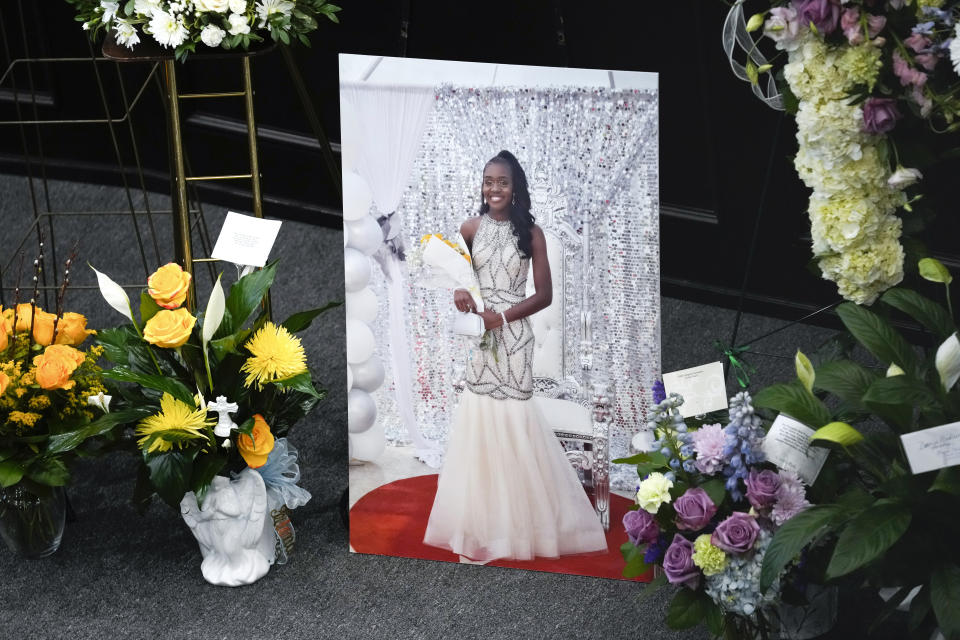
(497, 186)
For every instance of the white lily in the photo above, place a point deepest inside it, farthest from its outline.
(101, 401)
(114, 294)
(894, 370)
(948, 361)
(213, 316)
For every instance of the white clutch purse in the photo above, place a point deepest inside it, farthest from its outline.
(468, 324)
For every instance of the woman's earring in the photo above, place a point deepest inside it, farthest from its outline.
(513, 200)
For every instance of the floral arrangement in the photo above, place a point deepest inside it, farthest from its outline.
(886, 527)
(181, 25)
(191, 372)
(854, 70)
(707, 507)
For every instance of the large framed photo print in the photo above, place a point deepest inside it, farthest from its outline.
(501, 266)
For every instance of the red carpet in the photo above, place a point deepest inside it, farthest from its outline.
(391, 520)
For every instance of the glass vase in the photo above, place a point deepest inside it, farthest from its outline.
(31, 523)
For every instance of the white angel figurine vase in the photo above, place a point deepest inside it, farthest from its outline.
(237, 539)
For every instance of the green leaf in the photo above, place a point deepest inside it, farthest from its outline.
(933, 270)
(793, 536)
(877, 336)
(839, 432)
(115, 341)
(161, 383)
(10, 473)
(944, 596)
(716, 490)
(51, 472)
(793, 400)
(245, 296)
(64, 442)
(246, 427)
(229, 344)
(867, 536)
(633, 557)
(170, 474)
(919, 608)
(714, 619)
(6, 454)
(846, 380)
(300, 382)
(687, 609)
(922, 309)
(300, 321)
(894, 399)
(805, 371)
(644, 457)
(148, 307)
(205, 469)
(652, 587)
(947, 481)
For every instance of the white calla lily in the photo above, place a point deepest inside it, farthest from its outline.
(101, 401)
(948, 361)
(114, 294)
(214, 313)
(894, 370)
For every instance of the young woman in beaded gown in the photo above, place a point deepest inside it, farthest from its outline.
(506, 489)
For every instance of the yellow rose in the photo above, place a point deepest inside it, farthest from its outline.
(4, 330)
(168, 285)
(255, 451)
(8, 320)
(24, 313)
(55, 366)
(4, 382)
(72, 329)
(43, 327)
(169, 329)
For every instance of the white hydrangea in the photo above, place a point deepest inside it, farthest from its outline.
(736, 589)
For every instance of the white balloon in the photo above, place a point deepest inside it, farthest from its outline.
(362, 305)
(350, 139)
(346, 235)
(361, 411)
(357, 198)
(356, 269)
(360, 341)
(365, 235)
(349, 378)
(368, 445)
(368, 375)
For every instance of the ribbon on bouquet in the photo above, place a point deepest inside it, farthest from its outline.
(740, 367)
(280, 474)
(735, 33)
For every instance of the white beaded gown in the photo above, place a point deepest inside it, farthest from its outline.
(506, 489)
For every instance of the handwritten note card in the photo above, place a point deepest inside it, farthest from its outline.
(703, 388)
(933, 448)
(246, 240)
(787, 445)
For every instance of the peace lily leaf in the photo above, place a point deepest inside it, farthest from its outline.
(687, 609)
(933, 270)
(170, 475)
(948, 362)
(922, 309)
(947, 480)
(10, 473)
(804, 370)
(213, 316)
(114, 294)
(793, 400)
(148, 307)
(845, 379)
(63, 442)
(51, 472)
(867, 536)
(944, 596)
(300, 321)
(300, 382)
(877, 336)
(794, 535)
(894, 370)
(839, 432)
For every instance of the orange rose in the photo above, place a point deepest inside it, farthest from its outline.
(43, 327)
(55, 366)
(255, 451)
(8, 321)
(4, 330)
(24, 314)
(72, 329)
(168, 285)
(169, 329)
(4, 382)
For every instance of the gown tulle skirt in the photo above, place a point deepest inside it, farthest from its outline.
(506, 489)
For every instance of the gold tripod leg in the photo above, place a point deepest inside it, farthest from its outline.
(183, 252)
(254, 162)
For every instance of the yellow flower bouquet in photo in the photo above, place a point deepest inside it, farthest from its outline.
(217, 391)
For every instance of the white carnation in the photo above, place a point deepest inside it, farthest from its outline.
(238, 24)
(215, 6)
(212, 35)
(238, 6)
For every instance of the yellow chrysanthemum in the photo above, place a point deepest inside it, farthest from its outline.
(176, 423)
(276, 355)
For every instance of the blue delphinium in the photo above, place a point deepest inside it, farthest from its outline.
(655, 550)
(659, 392)
(744, 445)
(673, 439)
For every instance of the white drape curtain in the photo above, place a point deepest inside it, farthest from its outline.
(389, 123)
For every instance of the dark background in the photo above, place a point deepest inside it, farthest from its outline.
(720, 146)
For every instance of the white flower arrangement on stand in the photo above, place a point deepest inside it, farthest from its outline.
(183, 24)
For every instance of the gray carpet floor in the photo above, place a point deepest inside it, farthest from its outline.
(121, 575)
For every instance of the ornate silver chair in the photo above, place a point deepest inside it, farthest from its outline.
(576, 406)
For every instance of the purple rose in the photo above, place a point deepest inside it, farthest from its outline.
(694, 509)
(641, 527)
(824, 14)
(736, 534)
(762, 488)
(678, 563)
(880, 115)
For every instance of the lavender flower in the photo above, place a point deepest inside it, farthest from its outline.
(708, 443)
(791, 498)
